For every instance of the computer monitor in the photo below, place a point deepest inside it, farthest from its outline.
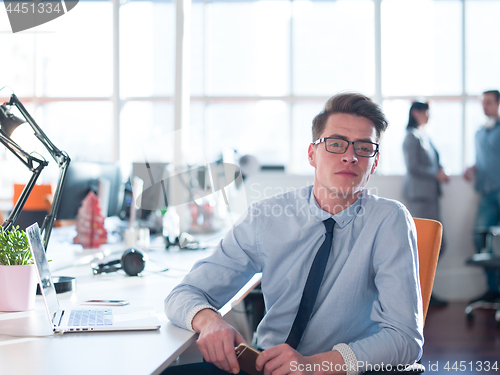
(152, 195)
(104, 179)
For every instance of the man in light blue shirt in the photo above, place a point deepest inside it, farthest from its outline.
(486, 173)
(368, 310)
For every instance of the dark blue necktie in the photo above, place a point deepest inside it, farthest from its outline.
(312, 287)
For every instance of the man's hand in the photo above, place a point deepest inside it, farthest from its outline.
(217, 340)
(470, 173)
(282, 359)
(442, 176)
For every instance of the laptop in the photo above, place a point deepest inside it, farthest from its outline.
(85, 319)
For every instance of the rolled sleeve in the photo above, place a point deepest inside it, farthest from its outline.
(349, 357)
(194, 311)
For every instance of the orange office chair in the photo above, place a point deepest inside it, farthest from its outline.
(429, 235)
(36, 207)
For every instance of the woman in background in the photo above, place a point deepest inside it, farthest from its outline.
(424, 172)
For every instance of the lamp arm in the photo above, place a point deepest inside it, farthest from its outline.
(59, 156)
(48, 222)
(28, 161)
(22, 155)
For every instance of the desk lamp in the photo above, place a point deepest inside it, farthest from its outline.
(8, 123)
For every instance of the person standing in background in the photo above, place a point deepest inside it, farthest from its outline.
(486, 173)
(424, 172)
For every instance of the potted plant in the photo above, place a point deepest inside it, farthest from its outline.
(17, 271)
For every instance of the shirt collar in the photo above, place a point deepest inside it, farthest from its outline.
(342, 218)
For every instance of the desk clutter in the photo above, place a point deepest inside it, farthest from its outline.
(132, 262)
(90, 223)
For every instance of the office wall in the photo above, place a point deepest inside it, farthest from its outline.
(454, 280)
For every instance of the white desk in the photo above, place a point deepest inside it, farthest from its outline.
(122, 353)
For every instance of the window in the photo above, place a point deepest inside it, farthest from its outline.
(258, 127)
(421, 47)
(248, 55)
(259, 64)
(333, 47)
(75, 60)
(482, 52)
(147, 49)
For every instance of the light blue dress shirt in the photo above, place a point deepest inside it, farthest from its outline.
(370, 296)
(488, 159)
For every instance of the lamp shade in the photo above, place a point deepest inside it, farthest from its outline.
(8, 121)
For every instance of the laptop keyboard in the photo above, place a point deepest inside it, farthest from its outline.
(85, 318)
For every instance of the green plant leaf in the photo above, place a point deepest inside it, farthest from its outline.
(14, 247)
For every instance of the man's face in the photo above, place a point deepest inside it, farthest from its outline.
(490, 105)
(348, 173)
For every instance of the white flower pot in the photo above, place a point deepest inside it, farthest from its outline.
(17, 287)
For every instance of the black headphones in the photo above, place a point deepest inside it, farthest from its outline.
(132, 262)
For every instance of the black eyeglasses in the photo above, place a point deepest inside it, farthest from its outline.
(340, 146)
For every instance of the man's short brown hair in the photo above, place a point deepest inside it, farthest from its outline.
(496, 93)
(353, 104)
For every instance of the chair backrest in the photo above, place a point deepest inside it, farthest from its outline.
(39, 198)
(429, 235)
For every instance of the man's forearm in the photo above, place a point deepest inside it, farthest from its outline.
(183, 303)
(203, 318)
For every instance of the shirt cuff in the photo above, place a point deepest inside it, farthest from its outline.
(351, 362)
(194, 311)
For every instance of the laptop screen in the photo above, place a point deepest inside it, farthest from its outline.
(42, 266)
